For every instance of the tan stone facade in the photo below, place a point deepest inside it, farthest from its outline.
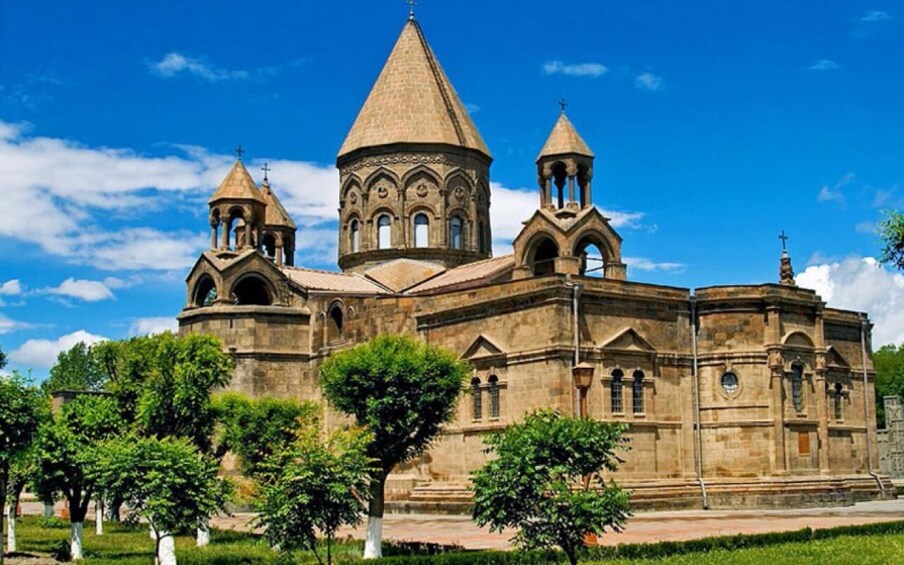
(736, 395)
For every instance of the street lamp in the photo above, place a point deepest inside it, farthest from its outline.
(582, 373)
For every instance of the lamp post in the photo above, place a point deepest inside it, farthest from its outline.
(582, 373)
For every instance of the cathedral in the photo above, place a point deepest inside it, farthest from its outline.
(734, 396)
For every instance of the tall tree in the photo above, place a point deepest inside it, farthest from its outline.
(66, 453)
(75, 369)
(891, 232)
(402, 391)
(545, 481)
(20, 414)
(889, 364)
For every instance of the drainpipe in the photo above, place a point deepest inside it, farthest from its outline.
(866, 414)
(575, 295)
(698, 438)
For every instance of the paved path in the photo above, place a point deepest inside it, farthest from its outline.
(644, 527)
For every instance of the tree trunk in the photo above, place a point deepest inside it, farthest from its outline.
(48, 509)
(373, 548)
(99, 517)
(203, 537)
(75, 540)
(166, 549)
(11, 528)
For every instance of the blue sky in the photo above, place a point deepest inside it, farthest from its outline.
(715, 126)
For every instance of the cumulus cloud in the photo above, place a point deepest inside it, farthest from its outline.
(574, 69)
(834, 193)
(824, 65)
(154, 325)
(649, 82)
(876, 16)
(8, 325)
(89, 291)
(11, 288)
(175, 63)
(42, 353)
(864, 285)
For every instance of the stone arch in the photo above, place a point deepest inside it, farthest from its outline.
(542, 251)
(381, 239)
(353, 228)
(411, 177)
(559, 174)
(253, 289)
(268, 245)
(797, 338)
(453, 182)
(353, 181)
(204, 292)
(422, 235)
(335, 322)
(592, 238)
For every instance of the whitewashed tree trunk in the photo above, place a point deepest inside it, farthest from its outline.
(48, 510)
(167, 550)
(203, 538)
(373, 548)
(75, 540)
(153, 532)
(99, 517)
(11, 529)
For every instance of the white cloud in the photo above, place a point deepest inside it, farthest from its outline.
(8, 325)
(644, 264)
(824, 65)
(835, 193)
(472, 108)
(174, 63)
(866, 227)
(650, 82)
(11, 288)
(155, 325)
(42, 353)
(574, 69)
(876, 16)
(864, 285)
(89, 291)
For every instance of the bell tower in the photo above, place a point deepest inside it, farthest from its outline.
(237, 210)
(565, 169)
(413, 170)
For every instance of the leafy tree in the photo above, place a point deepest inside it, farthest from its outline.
(401, 391)
(891, 233)
(127, 367)
(545, 481)
(889, 364)
(316, 488)
(76, 369)
(20, 413)
(2, 359)
(66, 454)
(166, 481)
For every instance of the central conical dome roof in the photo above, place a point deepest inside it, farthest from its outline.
(412, 102)
(564, 139)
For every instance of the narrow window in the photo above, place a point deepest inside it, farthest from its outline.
(838, 396)
(637, 392)
(481, 237)
(476, 400)
(421, 231)
(494, 396)
(384, 232)
(355, 235)
(616, 394)
(797, 385)
(334, 324)
(456, 233)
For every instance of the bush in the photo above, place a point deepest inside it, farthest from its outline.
(52, 523)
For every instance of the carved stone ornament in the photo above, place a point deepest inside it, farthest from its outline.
(459, 193)
(422, 190)
(353, 198)
(382, 191)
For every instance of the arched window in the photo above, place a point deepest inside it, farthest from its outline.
(839, 393)
(252, 290)
(269, 242)
(637, 393)
(421, 230)
(481, 237)
(797, 386)
(456, 232)
(476, 400)
(354, 234)
(384, 232)
(493, 381)
(545, 257)
(616, 395)
(205, 292)
(334, 324)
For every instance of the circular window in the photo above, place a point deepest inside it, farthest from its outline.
(730, 383)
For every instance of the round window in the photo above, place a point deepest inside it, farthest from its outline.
(730, 383)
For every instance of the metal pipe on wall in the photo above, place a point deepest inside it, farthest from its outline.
(698, 439)
(866, 413)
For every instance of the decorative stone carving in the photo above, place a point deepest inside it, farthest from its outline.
(422, 190)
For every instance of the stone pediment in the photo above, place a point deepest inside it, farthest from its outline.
(629, 341)
(402, 274)
(834, 360)
(798, 339)
(251, 260)
(482, 348)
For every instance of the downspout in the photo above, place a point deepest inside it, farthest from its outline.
(866, 414)
(575, 295)
(698, 438)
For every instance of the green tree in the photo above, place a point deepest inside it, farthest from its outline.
(66, 454)
(2, 359)
(401, 391)
(889, 364)
(545, 482)
(317, 487)
(76, 369)
(891, 233)
(167, 481)
(20, 415)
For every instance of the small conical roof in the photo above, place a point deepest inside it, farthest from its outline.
(564, 139)
(238, 185)
(412, 102)
(276, 214)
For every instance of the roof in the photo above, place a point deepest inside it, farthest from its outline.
(400, 274)
(412, 101)
(313, 279)
(238, 185)
(564, 139)
(477, 272)
(276, 214)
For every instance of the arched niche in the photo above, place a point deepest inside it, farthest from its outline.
(594, 252)
(335, 323)
(253, 290)
(542, 255)
(205, 291)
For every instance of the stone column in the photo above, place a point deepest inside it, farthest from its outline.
(571, 188)
(776, 365)
(822, 396)
(248, 238)
(279, 254)
(225, 237)
(213, 235)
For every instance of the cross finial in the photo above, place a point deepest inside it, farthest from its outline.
(239, 152)
(784, 239)
(266, 169)
(411, 5)
(562, 104)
